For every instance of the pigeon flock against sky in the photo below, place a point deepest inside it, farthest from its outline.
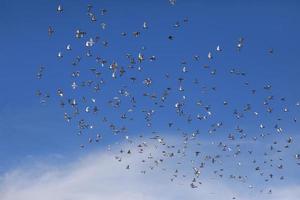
(134, 88)
(147, 89)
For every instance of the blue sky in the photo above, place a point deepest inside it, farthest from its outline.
(30, 131)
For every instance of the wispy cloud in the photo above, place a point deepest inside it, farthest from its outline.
(99, 176)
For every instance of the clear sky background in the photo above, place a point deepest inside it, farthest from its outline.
(30, 131)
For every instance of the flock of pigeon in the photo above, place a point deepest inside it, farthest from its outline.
(106, 98)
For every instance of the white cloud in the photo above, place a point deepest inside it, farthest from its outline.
(100, 176)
